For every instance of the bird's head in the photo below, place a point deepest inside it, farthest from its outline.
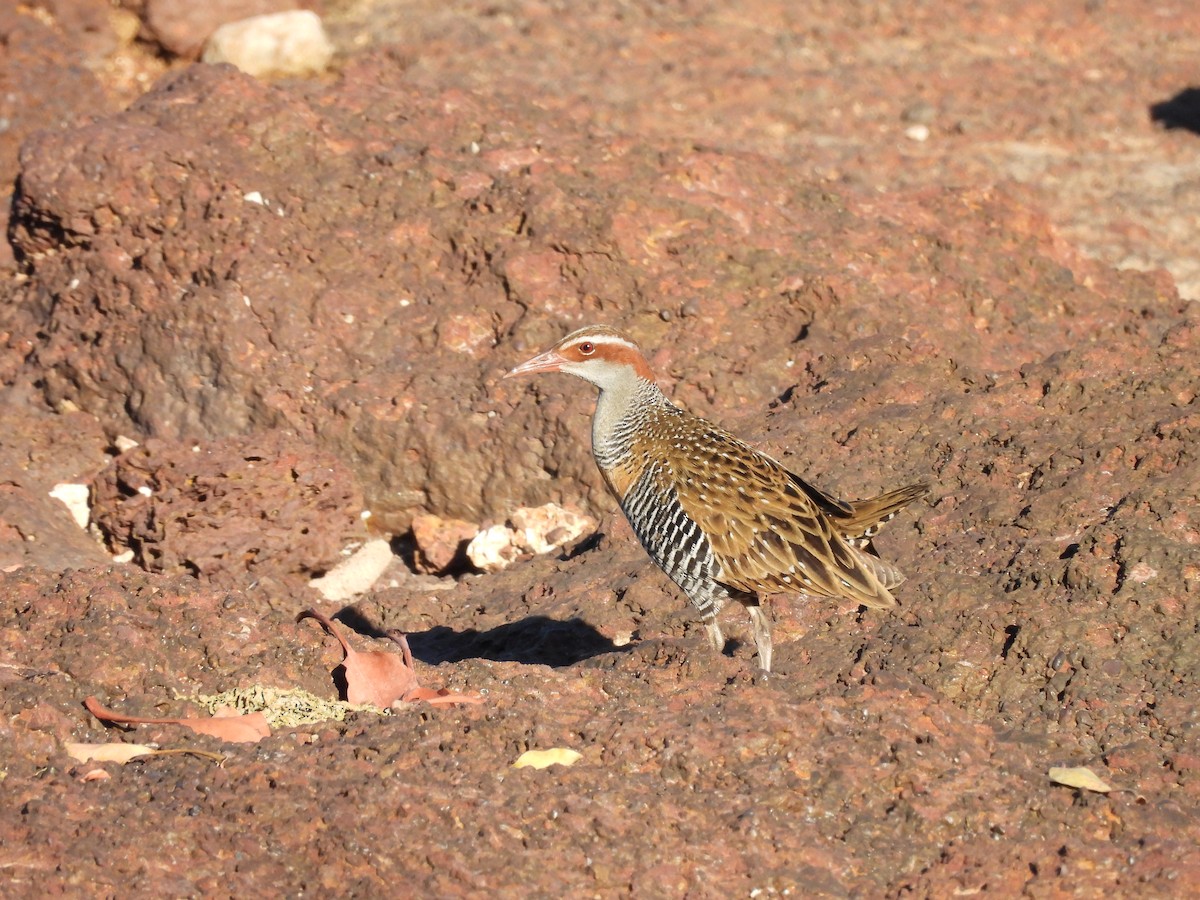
(599, 354)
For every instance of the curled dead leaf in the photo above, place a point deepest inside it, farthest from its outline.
(383, 679)
(373, 676)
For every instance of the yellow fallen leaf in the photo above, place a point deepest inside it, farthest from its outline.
(1079, 777)
(540, 759)
(113, 752)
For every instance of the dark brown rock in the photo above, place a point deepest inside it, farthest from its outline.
(231, 512)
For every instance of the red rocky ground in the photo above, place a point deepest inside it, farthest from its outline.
(298, 298)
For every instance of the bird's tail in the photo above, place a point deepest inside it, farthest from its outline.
(868, 516)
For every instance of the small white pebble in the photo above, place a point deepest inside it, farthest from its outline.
(284, 43)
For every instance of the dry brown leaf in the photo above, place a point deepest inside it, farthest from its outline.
(440, 696)
(246, 729)
(112, 752)
(1079, 777)
(383, 679)
(543, 759)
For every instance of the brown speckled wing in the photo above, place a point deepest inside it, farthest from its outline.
(769, 531)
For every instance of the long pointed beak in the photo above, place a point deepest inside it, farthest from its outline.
(550, 361)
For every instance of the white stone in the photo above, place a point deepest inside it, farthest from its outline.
(286, 43)
(543, 528)
(75, 497)
(493, 548)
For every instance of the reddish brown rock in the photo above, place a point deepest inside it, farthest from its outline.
(181, 28)
(440, 543)
(37, 530)
(386, 357)
(358, 260)
(86, 25)
(38, 451)
(43, 84)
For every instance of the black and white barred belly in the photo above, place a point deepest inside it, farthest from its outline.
(674, 541)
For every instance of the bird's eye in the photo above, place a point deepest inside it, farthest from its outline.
(587, 348)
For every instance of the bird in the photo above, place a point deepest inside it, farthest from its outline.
(724, 521)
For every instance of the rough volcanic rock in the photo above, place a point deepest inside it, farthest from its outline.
(42, 449)
(82, 25)
(355, 288)
(43, 84)
(357, 261)
(240, 511)
(1058, 100)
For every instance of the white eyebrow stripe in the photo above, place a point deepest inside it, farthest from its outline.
(604, 340)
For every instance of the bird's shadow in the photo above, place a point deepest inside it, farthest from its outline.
(534, 640)
(1180, 111)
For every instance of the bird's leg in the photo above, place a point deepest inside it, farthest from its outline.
(714, 633)
(762, 633)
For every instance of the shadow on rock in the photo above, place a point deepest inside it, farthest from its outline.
(1181, 111)
(536, 640)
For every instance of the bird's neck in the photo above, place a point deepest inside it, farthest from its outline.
(621, 409)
